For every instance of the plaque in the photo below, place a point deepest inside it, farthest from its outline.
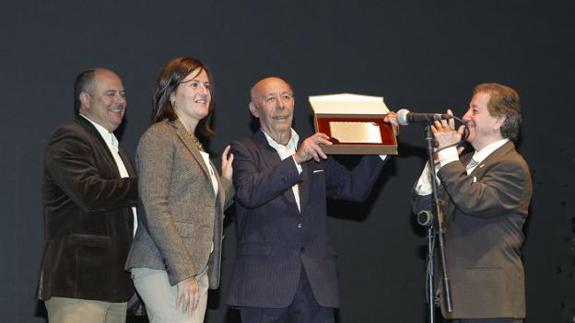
(354, 124)
(355, 132)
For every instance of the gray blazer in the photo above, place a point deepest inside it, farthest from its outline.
(484, 216)
(181, 216)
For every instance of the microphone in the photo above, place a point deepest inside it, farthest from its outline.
(404, 117)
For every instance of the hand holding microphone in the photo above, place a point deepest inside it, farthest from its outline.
(444, 132)
(442, 126)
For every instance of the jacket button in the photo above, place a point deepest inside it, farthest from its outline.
(299, 225)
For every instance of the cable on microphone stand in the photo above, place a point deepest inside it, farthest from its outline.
(433, 220)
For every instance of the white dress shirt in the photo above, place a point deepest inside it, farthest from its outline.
(446, 156)
(285, 151)
(213, 178)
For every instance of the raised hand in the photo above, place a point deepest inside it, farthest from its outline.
(391, 118)
(310, 148)
(227, 160)
(444, 132)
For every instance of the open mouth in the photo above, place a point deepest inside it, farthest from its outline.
(117, 110)
(201, 99)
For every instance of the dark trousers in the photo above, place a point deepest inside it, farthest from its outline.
(487, 321)
(303, 309)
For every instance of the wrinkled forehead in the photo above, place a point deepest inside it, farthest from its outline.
(271, 86)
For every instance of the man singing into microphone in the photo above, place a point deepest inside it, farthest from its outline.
(485, 197)
(285, 268)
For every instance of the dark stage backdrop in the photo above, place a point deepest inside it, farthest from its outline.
(426, 55)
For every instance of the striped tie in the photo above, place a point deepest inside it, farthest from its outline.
(471, 165)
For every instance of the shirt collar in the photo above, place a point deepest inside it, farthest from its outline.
(108, 136)
(480, 155)
(292, 143)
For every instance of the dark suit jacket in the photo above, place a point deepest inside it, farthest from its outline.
(275, 240)
(87, 218)
(484, 216)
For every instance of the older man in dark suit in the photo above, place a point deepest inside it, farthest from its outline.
(485, 197)
(285, 270)
(90, 189)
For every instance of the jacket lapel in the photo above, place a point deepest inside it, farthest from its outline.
(494, 156)
(127, 162)
(100, 141)
(271, 158)
(220, 198)
(185, 138)
(304, 186)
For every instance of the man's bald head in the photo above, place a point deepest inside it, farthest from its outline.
(272, 102)
(266, 83)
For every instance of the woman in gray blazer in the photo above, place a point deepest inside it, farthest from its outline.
(176, 253)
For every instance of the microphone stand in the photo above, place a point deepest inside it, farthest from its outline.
(435, 229)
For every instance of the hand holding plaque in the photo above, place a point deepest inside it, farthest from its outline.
(356, 124)
(312, 148)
